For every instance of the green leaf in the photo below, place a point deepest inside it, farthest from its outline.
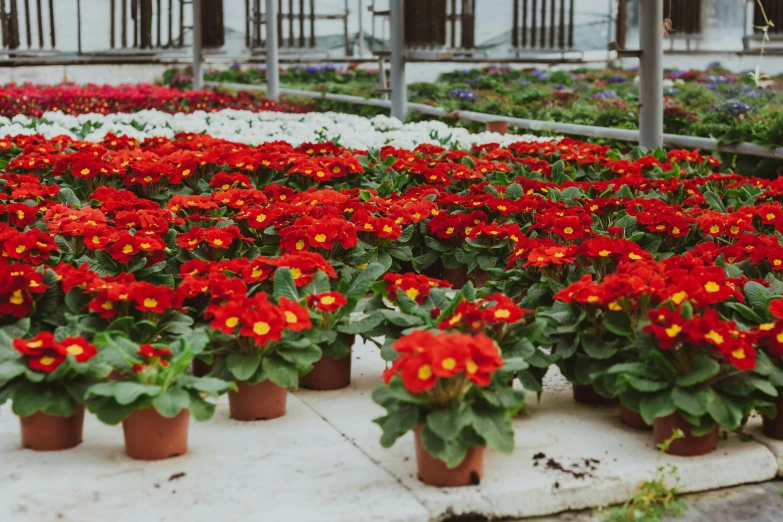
(703, 368)
(619, 323)
(400, 420)
(724, 410)
(284, 285)
(494, 426)
(645, 385)
(171, 402)
(714, 201)
(452, 452)
(447, 424)
(200, 409)
(280, 372)
(128, 392)
(361, 285)
(243, 365)
(656, 405)
(691, 400)
(209, 385)
(596, 348)
(29, 398)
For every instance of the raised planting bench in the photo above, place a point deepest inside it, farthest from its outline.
(323, 462)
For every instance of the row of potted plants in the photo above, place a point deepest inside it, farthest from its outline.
(648, 279)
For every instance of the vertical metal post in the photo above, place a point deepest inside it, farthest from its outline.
(399, 95)
(272, 61)
(382, 73)
(361, 30)
(651, 74)
(79, 26)
(198, 28)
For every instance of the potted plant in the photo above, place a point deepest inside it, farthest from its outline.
(261, 343)
(152, 395)
(330, 314)
(693, 375)
(46, 380)
(442, 388)
(764, 311)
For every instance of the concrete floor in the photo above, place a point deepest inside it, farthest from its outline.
(323, 462)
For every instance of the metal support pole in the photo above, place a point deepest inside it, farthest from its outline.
(272, 60)
(361, 30)
(651, 74)
(198, 28)
(399, 94)
(382, 72)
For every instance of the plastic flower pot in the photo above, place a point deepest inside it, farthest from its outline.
(688, 446)
(44, 432)
(773, 428)
(328, 374)
(586, 394)
(633, 419)
(458, 277)
(479, 278)
(151, 436)
(201, 368)
(434, 471)
(501, 127)
(262, 401)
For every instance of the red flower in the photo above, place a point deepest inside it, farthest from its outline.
(36, 346)
(296, 316)
(46, 363)
(77, 348)
(326, 301)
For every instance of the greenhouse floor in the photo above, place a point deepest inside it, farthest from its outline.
(323, 462)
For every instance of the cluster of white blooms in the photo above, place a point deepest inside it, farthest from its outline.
(254, 128)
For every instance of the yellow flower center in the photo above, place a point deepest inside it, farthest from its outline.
(673, 330)
(75, 350)
(471, 367)
(150, 302)
(320, 238)
(712, 287)
(261, 328)
(503, 313)
(16, 298)
(327, 300)
(290, 317)
(231, 322)
(425, 372)
(449, 363)
(714, 336)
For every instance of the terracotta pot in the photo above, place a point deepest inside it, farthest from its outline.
(151, 436)
(773, 428)
(633, 419)
(479, 278)
(434, 472)
(690, 445)
(586, 394)
(458, 277)
(201, 368)
(328, 374)
(501, 127)
(44, 432)
(262, 401)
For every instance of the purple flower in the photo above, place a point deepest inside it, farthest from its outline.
(236, 67)
(604, 95)
(464, 95)
(617, 79)
(737, 108)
